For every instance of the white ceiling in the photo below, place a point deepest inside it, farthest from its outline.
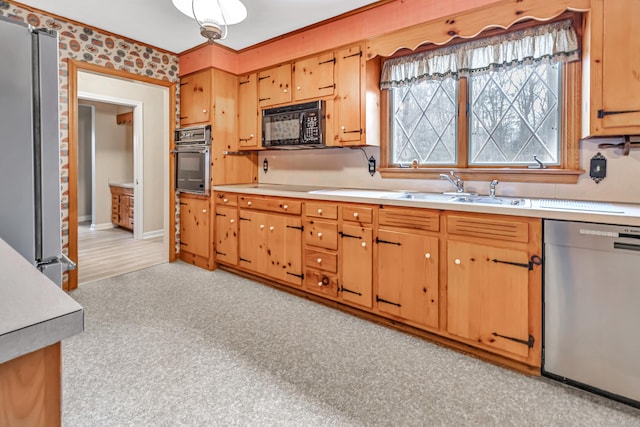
(158, 23)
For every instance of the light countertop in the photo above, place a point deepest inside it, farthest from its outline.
(587, 211)
(34, 312)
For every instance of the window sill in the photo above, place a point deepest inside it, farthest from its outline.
(548, 175)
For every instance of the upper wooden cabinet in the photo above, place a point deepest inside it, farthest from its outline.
(248, 113)
(195, 98)
(313, 77)
(357, 106)
(611, 92)
(274, 86)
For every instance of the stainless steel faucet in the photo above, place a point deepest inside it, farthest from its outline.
(492, 188)
(454, 180)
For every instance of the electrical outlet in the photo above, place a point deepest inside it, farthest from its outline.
(598, 168)
(372, 165)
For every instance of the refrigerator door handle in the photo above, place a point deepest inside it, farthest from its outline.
(68, 262)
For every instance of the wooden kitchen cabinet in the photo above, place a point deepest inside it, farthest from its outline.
(408, 276)
(226, 234)
(321, 246)
(195, 98)
(494, 284)
(274, 86)
(248, 112)
(195, 237)
(270, 243)
(408, 265)
(357, 105)
(122, 206)
(313, 77)
(356, 255)
(356, 265)
(611, 86)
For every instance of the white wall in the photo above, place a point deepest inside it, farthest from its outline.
(155, 140)
(85, 132)
(348, 168)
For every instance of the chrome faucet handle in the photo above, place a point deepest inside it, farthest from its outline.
(492, 187)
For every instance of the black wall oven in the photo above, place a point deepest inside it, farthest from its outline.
(192, 156)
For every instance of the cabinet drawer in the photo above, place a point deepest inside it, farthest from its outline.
(321, 210)
(321, 234)
(359, 214)
(321, 260)
(490, 228)
(321, 282)
(226, 199)
(272, 205)
(417, 219)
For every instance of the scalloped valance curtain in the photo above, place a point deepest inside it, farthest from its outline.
(547, 43)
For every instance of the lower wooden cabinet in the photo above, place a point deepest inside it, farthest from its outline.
(407, 271)
(271, 244)
(226, 232)
(494, 279)
(356, 265)
(488, 296)
(195, 228)
(122, 204)
(470, 278)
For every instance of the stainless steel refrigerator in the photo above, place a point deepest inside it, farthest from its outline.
(30, 210)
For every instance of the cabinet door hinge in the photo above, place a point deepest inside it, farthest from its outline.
(378, 299)
(387, 242)
(349, 236)
(535, 260)
(343, 289)
(603, 113)
(352, 55)
(327, 61)
(529, 343)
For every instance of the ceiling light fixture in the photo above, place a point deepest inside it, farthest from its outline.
(213, 16)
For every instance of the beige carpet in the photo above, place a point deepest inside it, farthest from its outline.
(174, 345)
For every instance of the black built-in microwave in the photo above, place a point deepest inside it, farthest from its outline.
(294, 126)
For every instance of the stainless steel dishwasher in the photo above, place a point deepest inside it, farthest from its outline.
(591, 333)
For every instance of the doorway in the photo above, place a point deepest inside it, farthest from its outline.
(152, 124)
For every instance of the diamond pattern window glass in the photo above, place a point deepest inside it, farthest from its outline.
(424, 126)
(514, 115)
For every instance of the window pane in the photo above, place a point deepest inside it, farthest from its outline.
(424, 123)
(514, 115)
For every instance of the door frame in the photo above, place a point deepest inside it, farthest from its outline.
(73, 67)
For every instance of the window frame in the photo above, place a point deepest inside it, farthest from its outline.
(568, 171)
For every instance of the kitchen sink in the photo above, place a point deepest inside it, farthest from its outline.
(433, 197)
(504, 201)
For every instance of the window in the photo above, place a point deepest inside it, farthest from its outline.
(492, 103)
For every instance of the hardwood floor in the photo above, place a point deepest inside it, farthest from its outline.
(108, 253)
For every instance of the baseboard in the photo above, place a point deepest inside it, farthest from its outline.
(84, 218)
(152, 234)
(99, 227)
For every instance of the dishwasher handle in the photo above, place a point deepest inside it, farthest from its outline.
(627, 246)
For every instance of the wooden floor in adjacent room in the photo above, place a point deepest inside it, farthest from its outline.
(112, 252)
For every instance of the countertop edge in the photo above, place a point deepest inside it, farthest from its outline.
(31, 338)
(531, 212)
